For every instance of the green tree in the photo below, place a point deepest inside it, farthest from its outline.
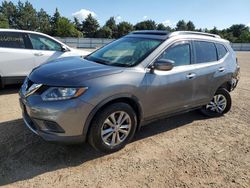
(146, 25)
(161, 27)
(64, 28)
(111, 23)
(124, 28)
(181, 26)
(104, 32)
(77, 24)
(238, 29)
(214, 31)
(90, 26)
(44, 25)
(3, 21)
(190, 26)
(54, 20)
(9, 11)
(26, 16)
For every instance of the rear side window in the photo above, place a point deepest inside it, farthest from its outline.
(180, 54)
(221, 50)
(11, 40)
(205, 52)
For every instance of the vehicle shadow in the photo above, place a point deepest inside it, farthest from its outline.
(10, 89)
(24, 155)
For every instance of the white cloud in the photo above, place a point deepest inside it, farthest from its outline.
(168, 23)
(118, 17)
(248, 24)
(145, 17)
(83, 13)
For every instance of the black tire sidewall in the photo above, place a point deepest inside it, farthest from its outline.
(226, 94)
(95, 130)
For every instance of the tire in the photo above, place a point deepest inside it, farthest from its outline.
(106, 129)
(213, 110)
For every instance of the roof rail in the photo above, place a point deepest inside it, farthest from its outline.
(193, 33)
(150, 32)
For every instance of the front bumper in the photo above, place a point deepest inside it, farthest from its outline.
(57, 121)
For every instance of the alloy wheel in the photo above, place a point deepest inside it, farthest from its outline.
(116, 128)
(217, 104)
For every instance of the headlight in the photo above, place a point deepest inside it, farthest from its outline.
(62, 93)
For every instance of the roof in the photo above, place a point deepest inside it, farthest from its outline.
(166, 35)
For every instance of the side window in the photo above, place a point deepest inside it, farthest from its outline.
(205, 52)
(11, 40)
(179, 53)
(43, 43)
(221, 50)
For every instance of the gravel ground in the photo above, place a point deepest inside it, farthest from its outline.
(183, 151)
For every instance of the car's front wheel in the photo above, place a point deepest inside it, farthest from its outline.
(113, 127)
(219, 105)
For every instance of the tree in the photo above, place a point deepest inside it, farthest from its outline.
(44, 25)
(124, 28)
(9, 12)
(146, 25)
(90, 26)
(111, 23)
(238, 29)
(3, 21)
(77, 24)
(54, 20)
(190, 26)
(104, 32)
(26, 16)
(181, 26)
(161, 27)
(64, 28)
(214, 31)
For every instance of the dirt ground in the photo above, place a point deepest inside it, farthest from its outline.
(183, 151)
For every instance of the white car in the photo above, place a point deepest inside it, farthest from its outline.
(21, 51)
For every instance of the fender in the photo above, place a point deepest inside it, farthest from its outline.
(106, 101)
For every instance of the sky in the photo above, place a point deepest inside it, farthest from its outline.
(203, 13)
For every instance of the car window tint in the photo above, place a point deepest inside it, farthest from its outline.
(43, 43)
(221, 50)
(180, 54)
(205, 52)
(11, 40)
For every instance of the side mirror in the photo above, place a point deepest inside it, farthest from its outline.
(64, 49)
(163, 64)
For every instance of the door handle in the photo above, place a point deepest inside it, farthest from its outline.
(221, 69)
(38, 54)
(191, 75)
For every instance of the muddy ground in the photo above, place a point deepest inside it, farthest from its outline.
(188, 150)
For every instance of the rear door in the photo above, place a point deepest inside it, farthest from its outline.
(208, 70)
(16, 58)
(45, 49)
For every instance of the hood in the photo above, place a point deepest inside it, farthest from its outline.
(70, 71)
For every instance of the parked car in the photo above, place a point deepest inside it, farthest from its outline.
(21, 51)
(139, 78)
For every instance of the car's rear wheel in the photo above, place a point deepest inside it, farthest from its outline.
(219, 105)
(113, 127)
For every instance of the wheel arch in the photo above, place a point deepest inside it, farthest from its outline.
(126, 98)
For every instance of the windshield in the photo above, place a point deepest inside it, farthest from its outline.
(125, 52)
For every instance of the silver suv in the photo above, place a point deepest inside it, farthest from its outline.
(141, 77)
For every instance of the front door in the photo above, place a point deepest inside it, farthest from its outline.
(45, 49)
(171, 91)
